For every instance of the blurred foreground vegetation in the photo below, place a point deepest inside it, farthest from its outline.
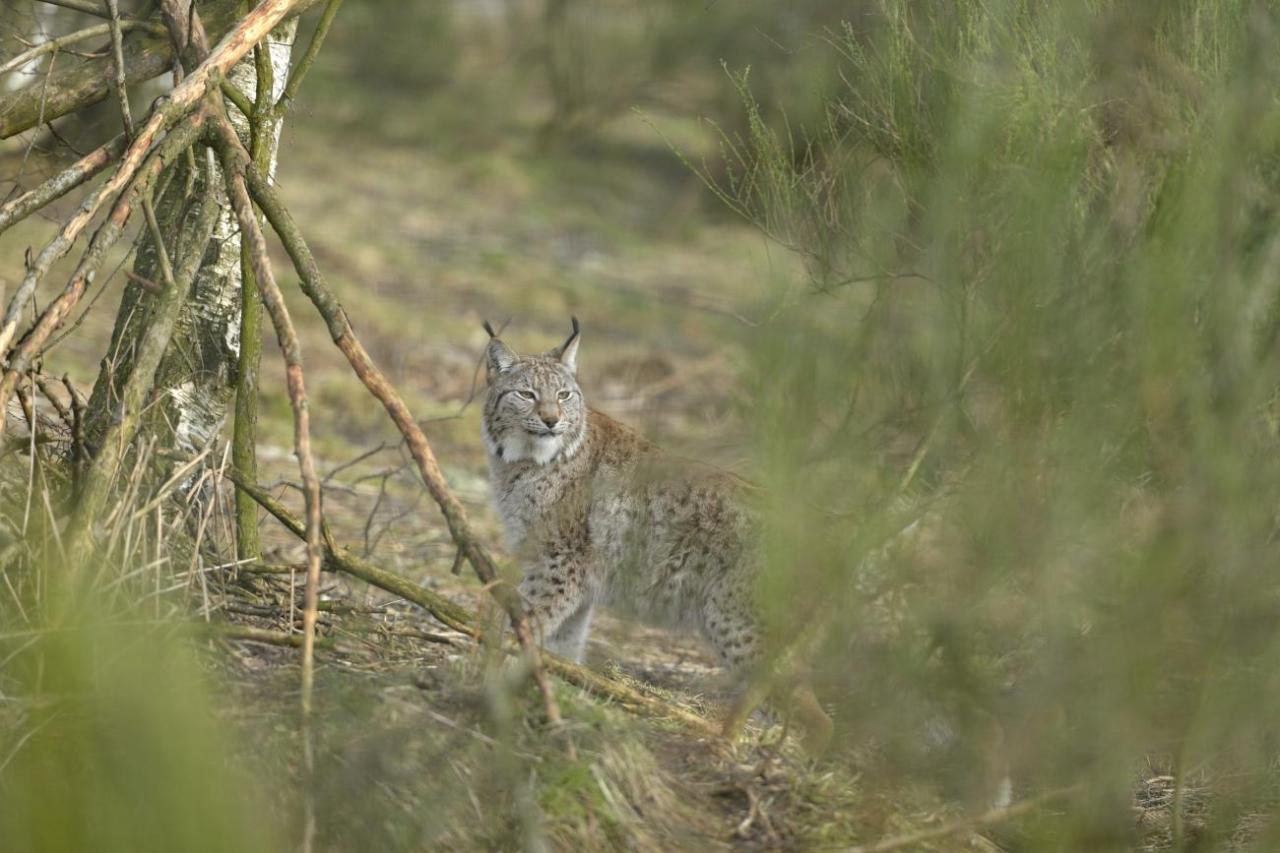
(1006, 369)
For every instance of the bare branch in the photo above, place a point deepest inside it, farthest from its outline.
(273, 301)
(313, 284)
(117, 54)
(103, 239)
(146, 55)
(61, 184)
(55, 44)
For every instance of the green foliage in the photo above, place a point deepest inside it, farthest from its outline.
(1024, 432)
(109, 744)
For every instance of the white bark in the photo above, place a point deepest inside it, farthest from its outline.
(199, 405)
(196, 373)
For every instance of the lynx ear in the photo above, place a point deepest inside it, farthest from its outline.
(499, 357)
(567, 352)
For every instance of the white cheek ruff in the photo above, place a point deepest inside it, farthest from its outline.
(518, 445)
(543, 448)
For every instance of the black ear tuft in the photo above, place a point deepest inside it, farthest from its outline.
(567, 352)
(489, 328)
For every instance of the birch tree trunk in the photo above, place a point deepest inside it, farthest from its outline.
(196, 378)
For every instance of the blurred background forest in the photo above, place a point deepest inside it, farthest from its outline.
(985, 294)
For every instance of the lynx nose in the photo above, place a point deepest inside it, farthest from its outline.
(550, 420)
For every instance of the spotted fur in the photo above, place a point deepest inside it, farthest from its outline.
(596, 514)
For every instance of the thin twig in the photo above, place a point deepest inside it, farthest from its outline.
(239, 99)
(84, 6)
(273, 301)
(990, 817)
(308, 58)
(248, 633)
(117, 52)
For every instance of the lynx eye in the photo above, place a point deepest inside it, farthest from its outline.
(564, 394)
(526, 395)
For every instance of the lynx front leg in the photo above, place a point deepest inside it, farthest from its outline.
(559, 604)
(734, 630)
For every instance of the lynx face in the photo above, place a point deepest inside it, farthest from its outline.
(534, 409)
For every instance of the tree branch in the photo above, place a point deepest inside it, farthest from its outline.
(146, 56)
(103, 239)
(117, 55)
(244, 454)
(308, 58)
(186, 31)
(59, 185)
(55, 44)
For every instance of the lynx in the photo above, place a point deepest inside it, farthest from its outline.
(595, 514)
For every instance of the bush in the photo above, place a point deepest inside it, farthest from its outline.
(1020, 441)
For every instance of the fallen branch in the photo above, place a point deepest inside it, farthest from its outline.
(460, 619)
(226, 631)
(254, 247)
(291, 349)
